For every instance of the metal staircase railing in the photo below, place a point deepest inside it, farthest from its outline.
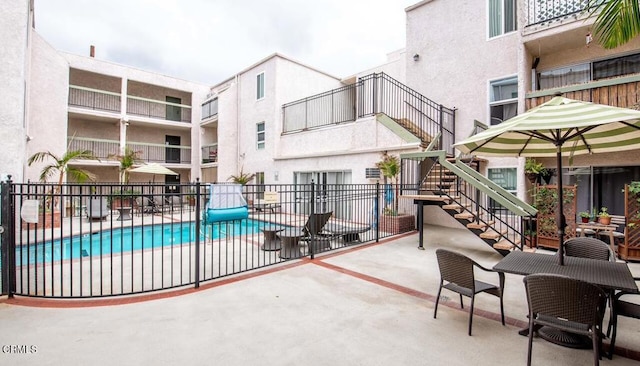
(469, 194)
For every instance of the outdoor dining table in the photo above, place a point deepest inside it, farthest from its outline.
(605, 274)
(597, 227)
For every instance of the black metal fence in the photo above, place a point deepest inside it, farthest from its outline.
(98, 240)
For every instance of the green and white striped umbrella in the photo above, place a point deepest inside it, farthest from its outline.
(559, 127)
(576, 127)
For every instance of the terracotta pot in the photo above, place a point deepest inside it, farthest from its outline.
(604, 220)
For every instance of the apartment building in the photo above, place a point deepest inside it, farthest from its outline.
(492, 59)
(62, 102)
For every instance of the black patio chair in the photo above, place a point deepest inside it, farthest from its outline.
(622, 308)
(591, 248)
(565, 304)
(457, 275)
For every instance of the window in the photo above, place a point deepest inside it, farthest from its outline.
(260, 185)
(616, 67)
(506, 178)
(260, 137)
(503, 103)
(502, 17)
(570, 75)
(260, 86)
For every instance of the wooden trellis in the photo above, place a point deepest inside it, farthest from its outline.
(630, 250)
(545, 200)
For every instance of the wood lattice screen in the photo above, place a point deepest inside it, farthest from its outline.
(547, 205)
(631, 247)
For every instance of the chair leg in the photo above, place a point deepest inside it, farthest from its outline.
(461, 303)
(502, 309)
(612, 344)
(531, 331)
(471, 314)
(596, 347)
(435, 311)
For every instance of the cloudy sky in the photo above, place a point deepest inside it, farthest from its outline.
(208, 41)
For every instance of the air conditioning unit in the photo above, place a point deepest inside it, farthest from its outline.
(372, 173)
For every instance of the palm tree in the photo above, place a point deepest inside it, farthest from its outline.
(390, 168)
(241, 178)
(62, 167)
(618, 21)
(127, 160)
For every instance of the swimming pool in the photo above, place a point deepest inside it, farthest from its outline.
(127, 239)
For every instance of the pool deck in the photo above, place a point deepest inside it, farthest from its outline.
(364, 305)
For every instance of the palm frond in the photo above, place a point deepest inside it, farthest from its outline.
(617, 22)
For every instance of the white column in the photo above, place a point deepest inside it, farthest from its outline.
(124, 119)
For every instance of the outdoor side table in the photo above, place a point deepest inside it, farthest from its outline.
(271, 239)
(290, 243)
(125, 213)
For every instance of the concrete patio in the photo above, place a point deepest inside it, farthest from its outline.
(366, 305)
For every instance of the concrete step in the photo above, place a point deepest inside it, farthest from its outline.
(464, 215)
(455, 206)
(480, 225)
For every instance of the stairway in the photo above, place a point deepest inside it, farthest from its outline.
(414, 129)
(466, 201)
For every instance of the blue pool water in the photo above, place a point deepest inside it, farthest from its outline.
(127, 239)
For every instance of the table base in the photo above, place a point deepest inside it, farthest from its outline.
(565, 339)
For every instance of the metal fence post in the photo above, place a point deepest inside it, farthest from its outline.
(197, 233)
(312, 219)
(377, 211)
(8, 243)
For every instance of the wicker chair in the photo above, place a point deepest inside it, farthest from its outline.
(591, 248)
(457, 271)
(566, 304)
(622, 308)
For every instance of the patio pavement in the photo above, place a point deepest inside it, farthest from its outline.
(365, 305)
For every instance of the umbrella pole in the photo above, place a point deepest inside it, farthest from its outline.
(560, 219)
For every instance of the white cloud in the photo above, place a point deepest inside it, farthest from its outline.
(209, 40)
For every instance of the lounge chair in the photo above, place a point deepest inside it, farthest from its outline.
(349, 233)
(311, 232)
(97, 209)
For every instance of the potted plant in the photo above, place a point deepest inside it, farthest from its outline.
(603, 216)
(547, 173)
(60, 166)
(123, 198)
(127, 160)
(392, 221)
(585, 216)
(532, 170)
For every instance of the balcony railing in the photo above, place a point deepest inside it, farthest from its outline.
(158, 109)
(159, 153)
(546, 11)
(373, 94)
(210, 153)
(101, 148)
(617, 92)
(148, 152)
(328, 108)
(99, 100)
(102, 100)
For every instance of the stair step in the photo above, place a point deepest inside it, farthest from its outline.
(494, 235)
(455, 206)
(464, 215)
(503, 245)
(479, 225)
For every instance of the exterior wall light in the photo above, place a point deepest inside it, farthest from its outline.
(416, 57)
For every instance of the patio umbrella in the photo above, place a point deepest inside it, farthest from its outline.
(154, 169)
(559, 127)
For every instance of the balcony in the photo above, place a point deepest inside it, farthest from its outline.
(94, 99)
(148, 152)
(101, 100)
(621, 92)
(210, 153)
(549, 11)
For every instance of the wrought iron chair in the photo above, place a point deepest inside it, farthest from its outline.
(566, 304)
(457, 271)
(591, 248)
(622, 308)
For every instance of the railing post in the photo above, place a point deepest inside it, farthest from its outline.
(312, 219)
(8, 244)
(441, 122)
(197, 233)
(376, 211)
